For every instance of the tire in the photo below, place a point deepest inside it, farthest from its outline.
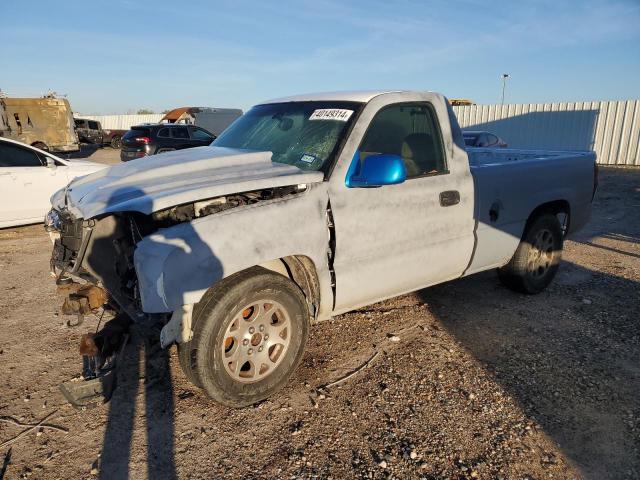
(41, 146)
(249, 334)
(187, 352)
(537, 258)
(116, 142)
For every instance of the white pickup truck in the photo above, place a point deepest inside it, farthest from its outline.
(304, 208)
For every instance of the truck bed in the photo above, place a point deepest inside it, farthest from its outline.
(510, 183)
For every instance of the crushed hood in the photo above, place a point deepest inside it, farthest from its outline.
(153, 183)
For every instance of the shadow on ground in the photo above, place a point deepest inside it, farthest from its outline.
(86, 151)
(143, 358)
(569, 355)
(571, 366)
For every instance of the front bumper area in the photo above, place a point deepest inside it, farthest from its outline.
(70, 238)
(98, 252)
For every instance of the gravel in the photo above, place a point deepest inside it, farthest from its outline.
(483, 382)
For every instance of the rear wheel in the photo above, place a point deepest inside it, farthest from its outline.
(116, 142)
(249, 334)
(537, 258)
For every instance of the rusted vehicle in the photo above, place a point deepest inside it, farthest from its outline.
(4, 121)
(460, 102)
(214, 120)
(44, 123)
(91, 131)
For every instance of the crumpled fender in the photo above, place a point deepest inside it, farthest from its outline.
(175, 266)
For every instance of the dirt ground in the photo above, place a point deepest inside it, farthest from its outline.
(470, 380)
(106, 155)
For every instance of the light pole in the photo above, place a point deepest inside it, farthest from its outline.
(504, 84)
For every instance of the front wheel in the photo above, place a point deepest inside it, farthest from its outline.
(537, 258)
(249, 334)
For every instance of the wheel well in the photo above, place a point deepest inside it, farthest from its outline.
(302, 271)
(556, 207)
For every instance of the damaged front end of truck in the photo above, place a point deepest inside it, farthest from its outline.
(124, 237)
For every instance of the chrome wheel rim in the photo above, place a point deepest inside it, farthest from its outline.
(256, 341)
(541, 254)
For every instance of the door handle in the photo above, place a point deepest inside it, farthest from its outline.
(449, 197)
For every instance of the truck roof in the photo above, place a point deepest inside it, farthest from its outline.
(353, 96)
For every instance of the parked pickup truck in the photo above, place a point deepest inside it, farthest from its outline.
(91, 131)
(304, 208)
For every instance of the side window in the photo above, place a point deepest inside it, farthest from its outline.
(93, 125)
(199, 134)
(15, 156)
(411, 131)
(179, 132)
(164, 133)
(491, 139)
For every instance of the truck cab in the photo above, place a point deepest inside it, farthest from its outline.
(89, 131)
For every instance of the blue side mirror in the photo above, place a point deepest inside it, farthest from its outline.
(375, 171)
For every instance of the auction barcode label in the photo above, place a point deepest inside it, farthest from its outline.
(340, 114)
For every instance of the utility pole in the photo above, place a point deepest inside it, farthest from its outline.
(504, 84)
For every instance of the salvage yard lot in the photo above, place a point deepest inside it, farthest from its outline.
(470, 379)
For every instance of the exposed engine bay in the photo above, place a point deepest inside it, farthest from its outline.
(100, 250)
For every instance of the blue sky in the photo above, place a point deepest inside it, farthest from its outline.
(122, 55)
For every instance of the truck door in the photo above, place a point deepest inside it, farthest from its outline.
(95, 132)
(82, 129)
(399, 238)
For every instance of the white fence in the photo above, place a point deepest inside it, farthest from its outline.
(123, 122)
(612, 129)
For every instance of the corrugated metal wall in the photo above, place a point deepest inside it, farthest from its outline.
(123, 122)
(612, 129)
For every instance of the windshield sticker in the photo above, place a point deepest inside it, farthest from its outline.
(307, 158)
(339, 114)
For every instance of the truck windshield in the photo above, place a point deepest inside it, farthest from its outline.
(304, 134)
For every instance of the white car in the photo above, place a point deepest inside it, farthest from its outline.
(28, 178)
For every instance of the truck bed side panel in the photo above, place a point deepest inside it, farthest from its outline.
(514, 184)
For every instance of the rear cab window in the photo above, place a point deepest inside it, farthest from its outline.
(470, 140)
